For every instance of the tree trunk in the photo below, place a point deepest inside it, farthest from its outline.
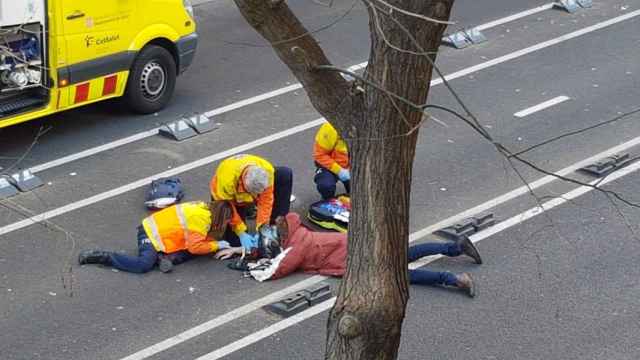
(381, 131)
(367, 319)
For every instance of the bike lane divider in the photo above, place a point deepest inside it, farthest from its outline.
(485, 234)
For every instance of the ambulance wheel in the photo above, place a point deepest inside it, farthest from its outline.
(152, 79)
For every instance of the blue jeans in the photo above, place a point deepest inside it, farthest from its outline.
(147, 256)
(326, 183)
(427, 277)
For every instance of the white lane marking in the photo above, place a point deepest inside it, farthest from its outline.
(327, 304)
(513, 17)
(539, 46)
(223, 319)
(205, 161)
(253, 100)
(142, 182)
(522, 217)
(282, 134)
(224, 109)
(268, 331)
(94, 150)
(209, 325)
(170, 342)
(541, 106)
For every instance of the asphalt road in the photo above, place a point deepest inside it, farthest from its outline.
(560, 285)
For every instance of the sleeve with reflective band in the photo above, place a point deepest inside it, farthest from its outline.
(329, 150)
(198, 244)
(265, 207)
(170, 228)
(224, 186)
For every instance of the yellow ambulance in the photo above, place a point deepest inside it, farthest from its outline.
(60, 54)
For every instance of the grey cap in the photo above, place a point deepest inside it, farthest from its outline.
(255, 179)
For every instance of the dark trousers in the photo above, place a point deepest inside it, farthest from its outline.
(326, 183)
(427, 277)
(147, 256)
(282, 188)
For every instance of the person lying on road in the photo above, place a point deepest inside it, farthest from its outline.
(325, 253)
(247, 179)
(170, 236)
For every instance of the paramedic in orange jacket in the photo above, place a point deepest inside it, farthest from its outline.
(246, 179)
(331, 156)
(178, 231)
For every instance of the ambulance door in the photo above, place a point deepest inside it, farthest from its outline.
(98, 33)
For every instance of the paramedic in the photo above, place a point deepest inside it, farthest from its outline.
(247, 179)
(332, 161)
(170, 236)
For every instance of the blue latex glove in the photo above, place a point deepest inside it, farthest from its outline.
(223, 244)
(248, 241)
(344, 175)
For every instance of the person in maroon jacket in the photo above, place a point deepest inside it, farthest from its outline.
(325, 253)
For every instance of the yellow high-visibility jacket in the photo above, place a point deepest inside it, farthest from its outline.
(330, 150)
(226, 184)
(181, 227)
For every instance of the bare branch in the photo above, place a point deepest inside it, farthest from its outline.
(419, 16)
(295, 46)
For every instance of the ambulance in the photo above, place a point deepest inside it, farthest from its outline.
(57, 55)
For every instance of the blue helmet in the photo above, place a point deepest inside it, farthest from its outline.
(164, 192)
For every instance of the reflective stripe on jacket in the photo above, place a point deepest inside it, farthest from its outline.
(330, 150)
(226, 184)
(181, 227)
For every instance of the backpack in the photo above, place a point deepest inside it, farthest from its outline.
(332, 214)
(164, 192)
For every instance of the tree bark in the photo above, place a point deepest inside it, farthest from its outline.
(374, 289)
(366, 320)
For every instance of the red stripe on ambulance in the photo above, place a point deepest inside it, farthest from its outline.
(109, 86)
(82, 93)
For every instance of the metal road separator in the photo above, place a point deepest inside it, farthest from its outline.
(188, 127)
(7, 190)
(466, 227)
(177, 130)
(572, 6)
(464, 38)
(607, 165)
(22, 181)
(301, 300)
(25, 180)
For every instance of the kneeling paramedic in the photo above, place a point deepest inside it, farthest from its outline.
(247, 179)
(325, 253)
(170, 236)
(332, 161)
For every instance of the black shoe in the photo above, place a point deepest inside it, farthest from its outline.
(164, 263)
(94, 257)
(464, 282)
(469, 249)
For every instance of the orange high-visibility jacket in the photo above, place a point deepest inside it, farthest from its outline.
(330, 150)
(226, 184)
(181, 227)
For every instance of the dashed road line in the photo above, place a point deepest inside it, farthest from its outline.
(327, 304)
(249, 101)
(235, 314)
(543, 105)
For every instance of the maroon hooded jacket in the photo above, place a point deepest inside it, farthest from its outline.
(312, 251)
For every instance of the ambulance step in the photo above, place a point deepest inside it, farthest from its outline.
(12, 106)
